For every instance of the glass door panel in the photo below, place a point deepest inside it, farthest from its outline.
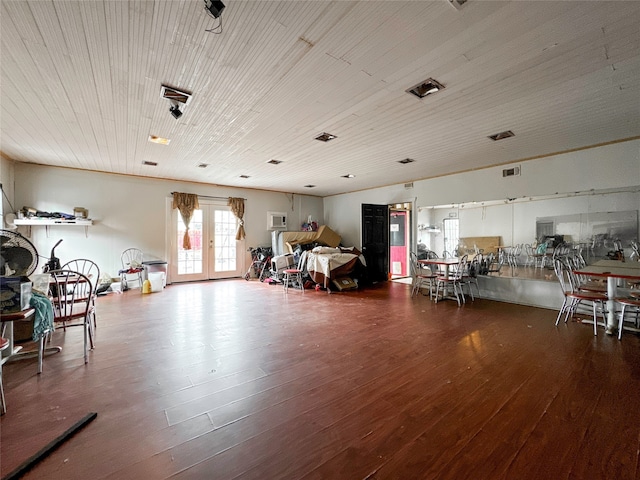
(214, 250)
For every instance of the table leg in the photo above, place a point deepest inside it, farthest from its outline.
(611, 305)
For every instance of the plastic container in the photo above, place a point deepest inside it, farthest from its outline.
(157, 281)
(146, 286)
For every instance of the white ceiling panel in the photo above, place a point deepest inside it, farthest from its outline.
(81, 81)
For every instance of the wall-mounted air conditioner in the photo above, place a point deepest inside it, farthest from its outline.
(276, 221)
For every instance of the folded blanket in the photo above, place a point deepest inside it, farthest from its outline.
(43, 318)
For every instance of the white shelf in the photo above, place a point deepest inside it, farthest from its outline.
(56, 222)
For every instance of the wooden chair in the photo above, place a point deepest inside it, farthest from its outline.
(72, 304)
(92, 271)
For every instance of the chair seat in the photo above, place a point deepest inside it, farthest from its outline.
(592, 296)
(632, 302)
(292, 271)
(4, 343)
(593, 287)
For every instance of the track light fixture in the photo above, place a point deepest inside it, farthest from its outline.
(175, 111)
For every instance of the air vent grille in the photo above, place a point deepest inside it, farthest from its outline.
(511, 172)
(406, 160)
(175, 95)
(151, 164)
(408, 185)
(275, 162)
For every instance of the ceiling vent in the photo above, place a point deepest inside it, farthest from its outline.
(325, 137)
(511, 172)
(406, 160)
(175, 95)
(275, 162)
(502, 135)
(408, 185)
(458, 4)
(309, 186)
(427, 87)
(151, 164)
(203, 165)
(349, 175)
(245, 176)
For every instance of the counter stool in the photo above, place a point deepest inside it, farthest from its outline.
(626, 302)
(4, 344)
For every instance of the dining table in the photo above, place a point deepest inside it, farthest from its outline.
(614, 271)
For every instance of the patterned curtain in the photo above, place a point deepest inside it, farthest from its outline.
(237, 207)
(186, 203)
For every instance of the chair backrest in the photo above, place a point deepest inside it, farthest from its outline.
(413, 264)
(70, 294)
(564, 273)
(86, 267)
(461, 268)
(131, 257)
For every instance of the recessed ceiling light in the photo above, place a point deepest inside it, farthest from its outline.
(151, 164)
(406, 160)
(348, 175)
(275, 162)
(325, 137)
(427, 87)
(458, 4)
(502, 135)
(159, 140)
(244, 176)
(203, 165)
(309, 186)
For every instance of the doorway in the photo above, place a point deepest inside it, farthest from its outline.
(451, 227)
(399, 240)
(375, 241)
(215, 253)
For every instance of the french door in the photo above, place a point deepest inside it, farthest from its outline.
(215, 252)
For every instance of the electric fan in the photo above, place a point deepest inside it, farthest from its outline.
(18, 256)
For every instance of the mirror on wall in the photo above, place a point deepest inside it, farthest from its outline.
(595, 221)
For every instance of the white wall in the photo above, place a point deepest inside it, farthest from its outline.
(131, 211)
(7, 182)
(606, 167)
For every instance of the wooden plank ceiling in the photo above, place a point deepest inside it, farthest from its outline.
(81, 83)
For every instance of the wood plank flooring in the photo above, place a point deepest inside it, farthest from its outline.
(234, 379)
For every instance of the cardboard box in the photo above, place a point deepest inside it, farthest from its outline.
(15, 294)
(345, 283)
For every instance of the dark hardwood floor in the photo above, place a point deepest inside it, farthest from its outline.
(234, 379)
